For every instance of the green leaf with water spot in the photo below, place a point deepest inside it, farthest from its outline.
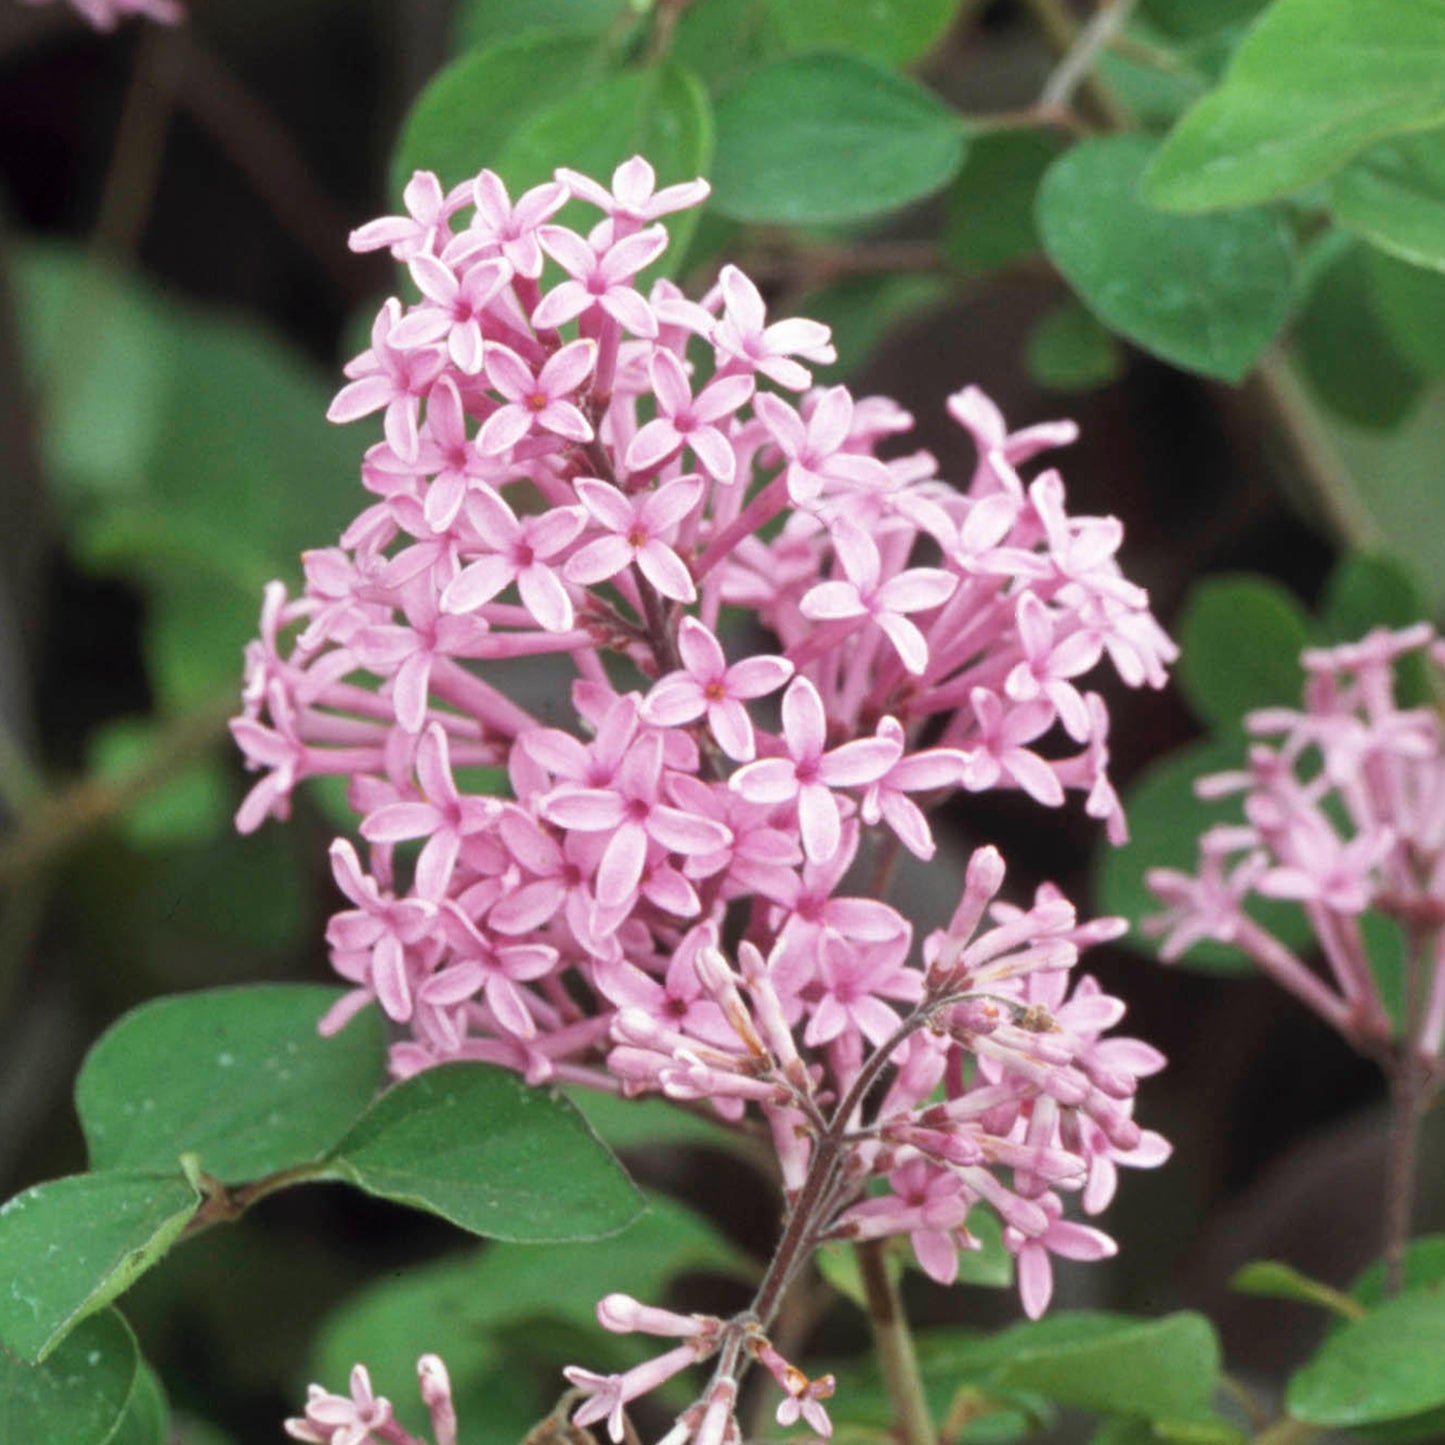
(817, 139)
(1312, 84)
(1208, 293)
(79, 1396)
(71, 1246)
(479, 1147)
(238, 1076)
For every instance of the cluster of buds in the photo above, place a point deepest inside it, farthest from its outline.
(363, 1417)
(787, 639)
(1344, 814)
(107, 14)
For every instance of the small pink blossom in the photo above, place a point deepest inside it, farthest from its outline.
(635, 533)
(537, 401)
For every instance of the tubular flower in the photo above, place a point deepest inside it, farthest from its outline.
(629, 490)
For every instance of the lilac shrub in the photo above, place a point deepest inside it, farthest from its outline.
(790, 639)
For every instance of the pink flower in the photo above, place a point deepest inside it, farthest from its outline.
(865, 594)
(687, 421)
(634, 533)
(105, 15)
(454, 308)
(887, 799)
(445, 818)
(743, 337)
(809, 774)
(632, 812)
(600, 281)
(390, 377)
(428, 209)
(510, 230)
(708, 685)
(525, 548)
(633, 200)
(342, 1419)
(537, 401)
(814, 449)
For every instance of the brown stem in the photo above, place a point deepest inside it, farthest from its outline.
(1066, 37)
(77, 811)
(911, 1420)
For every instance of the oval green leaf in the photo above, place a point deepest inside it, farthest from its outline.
(890, 31)
(464, 118)
(1208, 293)
(1240, 639)
(69, 1247)
(238, 1076)
(823, 138)
(477, 1146)
(1312, 84)
(1383, 1367)
(79, 1396)
(1163, 1369)
(1394, 196)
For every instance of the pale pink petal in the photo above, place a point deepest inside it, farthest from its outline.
(733, 730)
(805, 725)
(864, 760)
(818, 821)
(757, 676)
(665, 570)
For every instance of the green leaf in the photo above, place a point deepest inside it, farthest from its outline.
(1273, 1279)
(1164, 1369)
(479, 23)
(823, 138)
(194, 803)
(1208, 293)
(1165, 823)
(467, 1306)
(1396, 481)
(648, 1122)
(238, 1076)
(1383, 1367)
(72, 1245)
(1411, 303)
(893, 32)
(1394, 196)
(477, 1146)
(990, 219)
(464, 118)
(79, 1396)
(148, 1418)
(864, 310)
(1338, 328)
(1424, 1267)
(1194, 19)
(661, 112)
(1313, 83)
(1070, 351)
(185, 449)
(1364, 592)
(723, 39)
(1240, 639)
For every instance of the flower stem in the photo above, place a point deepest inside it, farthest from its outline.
(894, 1340)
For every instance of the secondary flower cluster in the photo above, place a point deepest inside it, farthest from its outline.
(1344, 814)
(107, 14)
(362, 1417)
(787, 639)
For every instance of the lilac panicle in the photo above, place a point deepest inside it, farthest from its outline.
(603, 477)
(1344, 814)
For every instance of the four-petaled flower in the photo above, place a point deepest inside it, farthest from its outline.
(634, 533)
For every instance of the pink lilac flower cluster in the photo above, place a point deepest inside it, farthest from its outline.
(787, 638)
(107, 14)
(1344, 814)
